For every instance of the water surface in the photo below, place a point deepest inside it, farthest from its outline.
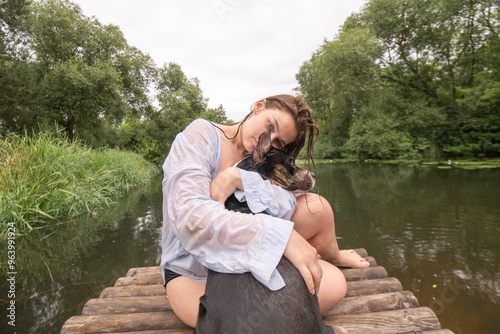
(435, 230)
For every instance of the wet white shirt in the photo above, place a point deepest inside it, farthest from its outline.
(199, 233)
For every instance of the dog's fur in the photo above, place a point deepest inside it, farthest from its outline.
(238, 303)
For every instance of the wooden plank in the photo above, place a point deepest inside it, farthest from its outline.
(361, 251)
(156, 279)
(142, 271)
(364, 273)
(145, 271)
(111, 323)
(374, 303)
(133, 291)
(356, 288)
(162, 331)
(337, 330)
(373, 286)
(349, 305)
(140, 280)
(142, 304)
(388, 322)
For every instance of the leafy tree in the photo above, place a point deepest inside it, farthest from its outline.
(338, 81)
(75, 72)
(180, 101)
(429, 77)
(14, 73)
(63, 69)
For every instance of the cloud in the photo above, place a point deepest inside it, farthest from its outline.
(240, 50)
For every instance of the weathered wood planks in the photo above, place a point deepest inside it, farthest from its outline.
(375, 303)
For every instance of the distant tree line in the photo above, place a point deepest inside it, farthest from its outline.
(409, 79)
(59, 68)
(402, 79)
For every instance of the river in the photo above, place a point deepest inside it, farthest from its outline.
(436, 230)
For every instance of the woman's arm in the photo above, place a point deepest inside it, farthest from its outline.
(219, 239)
(260, 195)
(302, 255)
(225, 184)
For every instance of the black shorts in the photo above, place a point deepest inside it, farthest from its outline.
(169, 275)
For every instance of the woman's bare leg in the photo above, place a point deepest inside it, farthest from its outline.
(315, 222)
(333, 287)
(184, 297)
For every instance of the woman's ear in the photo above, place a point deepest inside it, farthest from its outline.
(263, 146)
(258, 106)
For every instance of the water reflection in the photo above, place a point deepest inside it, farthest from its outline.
(436, 230)
(60, 269)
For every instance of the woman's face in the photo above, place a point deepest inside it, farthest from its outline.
(281, 124)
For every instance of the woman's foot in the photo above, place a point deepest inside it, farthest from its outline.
(347, 258)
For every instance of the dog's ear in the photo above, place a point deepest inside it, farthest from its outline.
(263, 146)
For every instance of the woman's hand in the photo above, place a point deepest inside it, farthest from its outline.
(225, 184)
(305, 258)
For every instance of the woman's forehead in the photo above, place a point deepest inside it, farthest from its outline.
(286, 125)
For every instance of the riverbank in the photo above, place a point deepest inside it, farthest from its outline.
(46, 180)
(442, 164)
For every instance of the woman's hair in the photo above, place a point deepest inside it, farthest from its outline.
(306, 127)
(300, 112)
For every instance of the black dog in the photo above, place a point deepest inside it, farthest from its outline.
(238, 303)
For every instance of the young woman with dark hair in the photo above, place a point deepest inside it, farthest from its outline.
(199, 233)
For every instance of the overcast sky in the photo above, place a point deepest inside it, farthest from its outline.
(240, 50)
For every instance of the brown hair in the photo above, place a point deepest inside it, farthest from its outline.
(300, 112)
(306, 127)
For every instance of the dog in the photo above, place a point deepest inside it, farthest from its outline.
(238, 303)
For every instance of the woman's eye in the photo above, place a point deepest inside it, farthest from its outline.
(278, 144)
(271, 126)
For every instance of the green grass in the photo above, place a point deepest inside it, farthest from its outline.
(45, 180)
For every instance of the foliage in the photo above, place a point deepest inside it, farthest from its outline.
(59, 66)
(46, 179)
(180, 101)
(409, 79)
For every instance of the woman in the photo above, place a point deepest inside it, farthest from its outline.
(199, 233)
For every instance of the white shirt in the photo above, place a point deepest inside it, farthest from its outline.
(199, 233)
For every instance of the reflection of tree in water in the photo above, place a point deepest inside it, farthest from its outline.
(59, 269)
(424, 220)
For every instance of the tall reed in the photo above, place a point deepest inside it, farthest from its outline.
(45, 180)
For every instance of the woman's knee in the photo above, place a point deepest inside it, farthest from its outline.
(184, 298)
(333, 287)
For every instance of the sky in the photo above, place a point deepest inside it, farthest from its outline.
(240, 50)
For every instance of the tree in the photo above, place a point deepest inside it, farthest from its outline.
(434, 64)
(338, 81)
(76, 72)
(180, 101)
(14, 72)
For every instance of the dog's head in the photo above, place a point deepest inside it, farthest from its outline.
(277, 166)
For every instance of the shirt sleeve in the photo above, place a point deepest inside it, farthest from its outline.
(261, 196)
(219, 239)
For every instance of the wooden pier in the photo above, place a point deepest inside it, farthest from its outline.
(375, 303)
